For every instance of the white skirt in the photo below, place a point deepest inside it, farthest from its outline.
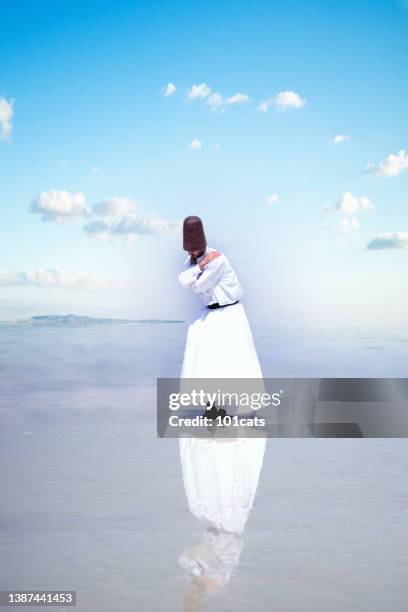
(220, 345)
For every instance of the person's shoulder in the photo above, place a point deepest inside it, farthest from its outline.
(221, 260)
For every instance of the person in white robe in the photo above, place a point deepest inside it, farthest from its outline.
(219, 341)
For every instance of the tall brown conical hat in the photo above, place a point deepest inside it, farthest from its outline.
(193, 234)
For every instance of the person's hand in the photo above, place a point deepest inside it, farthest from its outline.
(209, 257)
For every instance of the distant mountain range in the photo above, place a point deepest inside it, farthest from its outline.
(72, 320)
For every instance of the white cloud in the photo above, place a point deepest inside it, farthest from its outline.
(350, 204)
(392, 166)
(237, 98)
(114, 207)
(6, 118)
(346, 227)
(53, 278)
(288, 99)
(119, 216)
(168, 90)
(96, 170)
(129, 225)
(142, 224)
(214, 99)
(217, 103)
(282, 101)
(99, 228)
(196, 145)
(272, 199)
(58, 206)
(389, 240)
(198, 91)
(341, 138)
(264, 105)
(111, 217)
(349, 226)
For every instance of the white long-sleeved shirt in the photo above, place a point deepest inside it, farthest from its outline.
(216, 283)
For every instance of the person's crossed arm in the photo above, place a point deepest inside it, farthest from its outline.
(209, 257)
(204, 275)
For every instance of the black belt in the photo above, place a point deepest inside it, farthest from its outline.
(217, 305)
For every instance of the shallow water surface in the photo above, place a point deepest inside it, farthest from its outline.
(92, 501)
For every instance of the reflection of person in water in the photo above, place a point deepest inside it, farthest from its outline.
(220, 479)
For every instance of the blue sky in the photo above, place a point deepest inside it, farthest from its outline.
(85, 82)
